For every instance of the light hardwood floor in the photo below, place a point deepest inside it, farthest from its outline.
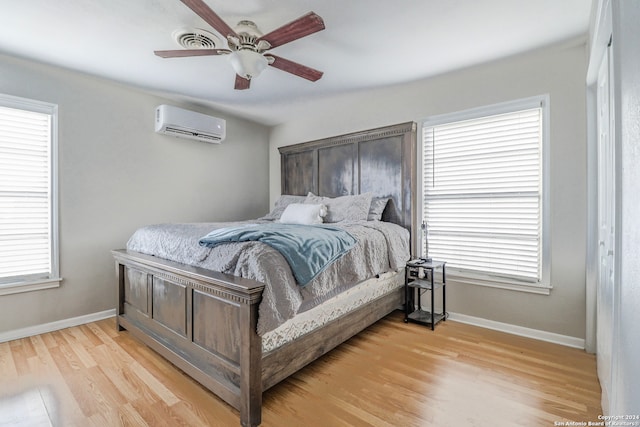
(392, 374)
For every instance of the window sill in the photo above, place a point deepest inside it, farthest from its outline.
(511, 285)
(36, 285)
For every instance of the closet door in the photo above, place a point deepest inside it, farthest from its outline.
(606, 227)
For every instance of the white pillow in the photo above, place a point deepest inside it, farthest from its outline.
(299, 213)
(281, 204)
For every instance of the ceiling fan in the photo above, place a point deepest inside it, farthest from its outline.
(248, 46)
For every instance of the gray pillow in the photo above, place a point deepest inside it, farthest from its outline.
(377, 207)
(281, 204)
(343, 208)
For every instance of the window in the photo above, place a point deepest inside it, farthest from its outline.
(484, 187)
(28, 221)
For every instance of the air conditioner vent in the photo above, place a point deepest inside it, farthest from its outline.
(194, 135)
(196, 39)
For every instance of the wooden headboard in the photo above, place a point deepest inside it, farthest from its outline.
(381, 161)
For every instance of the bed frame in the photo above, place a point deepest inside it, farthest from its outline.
(204, 322)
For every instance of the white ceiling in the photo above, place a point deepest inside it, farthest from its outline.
(366, 43)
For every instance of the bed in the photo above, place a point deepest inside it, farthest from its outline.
(208, 323)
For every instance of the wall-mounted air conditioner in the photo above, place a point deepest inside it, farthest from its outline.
(183, 123)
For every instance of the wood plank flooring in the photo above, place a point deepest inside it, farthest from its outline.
(392, 374)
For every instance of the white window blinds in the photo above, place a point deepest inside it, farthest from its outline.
(482, 194)
(26, 230)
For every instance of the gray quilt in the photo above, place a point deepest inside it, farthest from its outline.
(380, 247)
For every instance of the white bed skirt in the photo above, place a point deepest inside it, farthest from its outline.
(343, 303)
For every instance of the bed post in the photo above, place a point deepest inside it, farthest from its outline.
(250, 365)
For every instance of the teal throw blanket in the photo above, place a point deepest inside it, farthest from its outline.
(309, 249)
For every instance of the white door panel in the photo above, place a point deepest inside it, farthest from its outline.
(606, 226)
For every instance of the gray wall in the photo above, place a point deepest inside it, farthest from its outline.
(110, 158)
(116, 174)
(558, 71)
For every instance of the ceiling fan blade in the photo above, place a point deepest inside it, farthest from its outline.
(241, 83)
(179, 53)
(205, 12)
(303, 26)
(295, 68)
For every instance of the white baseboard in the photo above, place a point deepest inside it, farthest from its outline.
(55, 326)
(519, 330)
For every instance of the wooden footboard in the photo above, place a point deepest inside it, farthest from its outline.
(205, 322)
(202, 321)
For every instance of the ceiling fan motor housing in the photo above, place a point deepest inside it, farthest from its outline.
(248, 35)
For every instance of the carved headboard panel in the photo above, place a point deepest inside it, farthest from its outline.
(381, 161)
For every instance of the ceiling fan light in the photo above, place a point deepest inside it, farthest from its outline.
(247, 63)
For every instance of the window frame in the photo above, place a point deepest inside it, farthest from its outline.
(544, 286)
(54, 279)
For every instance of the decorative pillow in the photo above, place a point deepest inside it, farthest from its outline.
(343, 208)
(299, 213)
(377, 207)
(280, 205)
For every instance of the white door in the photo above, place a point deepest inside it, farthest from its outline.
(606, 227)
